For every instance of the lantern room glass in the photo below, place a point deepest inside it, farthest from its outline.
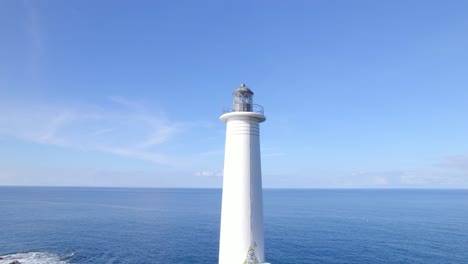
(243, 99)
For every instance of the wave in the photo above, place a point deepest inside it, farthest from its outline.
(36, 258)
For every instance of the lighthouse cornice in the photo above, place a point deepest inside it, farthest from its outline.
(242, 115)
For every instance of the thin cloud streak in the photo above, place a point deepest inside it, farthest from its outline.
(123, 132)
(138, 154)
(456, 162)
(127, 103)
(103, 177)
(208, 173)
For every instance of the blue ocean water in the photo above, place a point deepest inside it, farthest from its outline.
(117, 225)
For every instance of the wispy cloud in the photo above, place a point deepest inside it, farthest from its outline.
(127, 103)
(215, 152)
(127, 132)
(136, 153)
(451, 173)
(110, 177)
(36, 43)
(208, 173)
(374, 178)
(271, 152)
(456, 162)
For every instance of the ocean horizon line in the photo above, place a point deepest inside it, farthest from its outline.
(220, 188)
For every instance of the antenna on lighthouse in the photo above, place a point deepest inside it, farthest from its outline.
(241, 235)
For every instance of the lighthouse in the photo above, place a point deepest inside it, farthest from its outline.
(241, 235)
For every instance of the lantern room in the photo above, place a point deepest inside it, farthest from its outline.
(243, 99)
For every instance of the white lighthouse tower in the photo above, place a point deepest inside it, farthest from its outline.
(241, 236)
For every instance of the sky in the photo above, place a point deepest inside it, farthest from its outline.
(357, 94)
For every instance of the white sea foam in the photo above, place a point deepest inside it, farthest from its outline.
(34, 258)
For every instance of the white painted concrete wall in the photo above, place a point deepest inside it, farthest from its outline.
(242, 204)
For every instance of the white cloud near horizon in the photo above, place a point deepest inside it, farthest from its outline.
(209, 173)
(102, 177)
(416, 177)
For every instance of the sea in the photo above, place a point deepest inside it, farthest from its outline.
(139, 225)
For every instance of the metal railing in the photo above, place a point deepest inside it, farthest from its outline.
(258, 109)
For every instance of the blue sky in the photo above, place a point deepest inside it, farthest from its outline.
(357, 94)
